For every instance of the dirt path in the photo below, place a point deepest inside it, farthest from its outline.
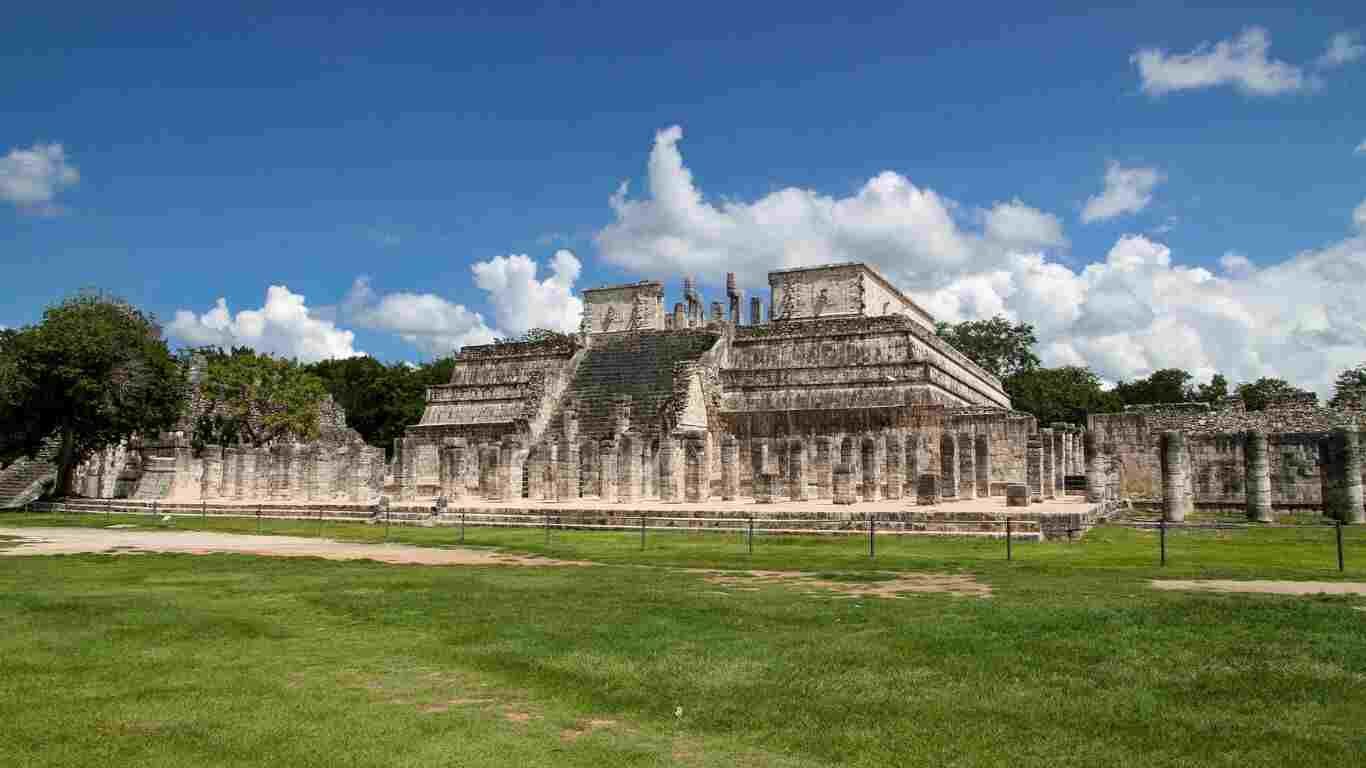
(1265, 587)
(70, 541)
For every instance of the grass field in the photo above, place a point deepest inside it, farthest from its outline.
(1074, 660)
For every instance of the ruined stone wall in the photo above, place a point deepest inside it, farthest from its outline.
(1214, 440)
(631, 307)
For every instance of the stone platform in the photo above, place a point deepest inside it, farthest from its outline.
(1064, 518)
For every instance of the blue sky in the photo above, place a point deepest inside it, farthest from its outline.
(380, 168)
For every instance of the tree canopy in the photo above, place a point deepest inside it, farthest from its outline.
(94, 372)
(1349, 386)
(1001, 347)
(1069, 393)
(1258, 394)
(381, 400)
(256, 398)
(1168, 385)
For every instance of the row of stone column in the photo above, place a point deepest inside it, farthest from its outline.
(287, 473)
(1339, 472)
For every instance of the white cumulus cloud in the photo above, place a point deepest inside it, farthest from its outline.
(284, 326)
(910, 232)
(521, 302)
(1241, 62)
(1127, 190)
(1361, 148)
(438, 326)
(1343, 48)
(31, 178)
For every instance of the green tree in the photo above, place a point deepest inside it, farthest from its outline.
(1258, 394)
(1066, 394)
(259, 398)
(381, 401)
(1002, 348)
(1214, 391)
(94, 372)
(1168, 385)
(1349, 386)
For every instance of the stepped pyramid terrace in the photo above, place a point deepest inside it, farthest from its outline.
(833, 400)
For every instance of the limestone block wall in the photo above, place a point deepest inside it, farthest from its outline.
(1214, 441)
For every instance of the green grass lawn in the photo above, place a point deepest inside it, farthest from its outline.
(181, 660)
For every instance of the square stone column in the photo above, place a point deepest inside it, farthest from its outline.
(895, 451)
(823, 468)
(502, 456)
(843, 479)
(948, 463)
(1046, 443)
(607, 465)
(1177, 497)
(967, 466)
(696, 478)
(211, 482)
(763, 487)
(1034, 469)
(567, 471)
(911, 463)
(406, 469)
(868, 460)
(982, 444)
(1095, 475)
(796, 470)
(298, 472)
(628, 467)
(1340, 473)
(668, 469)
(730, 468)
(535, 473)
(1059, 484)
(927, 489)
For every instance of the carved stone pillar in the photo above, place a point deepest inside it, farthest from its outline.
(1340, 470)
(967, 466)
(824, 469)
(1095, 476)
(1177, 500)
(868, 460)
(696, 480)
(628, 467)
(927, 489)
(607, 465)
(1034, 468)
(1046, 443)
(668, 469)
(1257, 468)
(842, 477)
(982, 444)
(895, 472)
(730, 467)
(948, 462)
(211, 482)
(796, 470)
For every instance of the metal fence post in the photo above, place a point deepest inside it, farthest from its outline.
(462, 526)
(751, 534)
(320, 522)
(203, 510)
(872, 524)
(547, 527)
(1008, 552)
(258, 518)
(1162, 528)
(1339, 527)
(642, 533)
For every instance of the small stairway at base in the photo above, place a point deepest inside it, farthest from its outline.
(17, 481)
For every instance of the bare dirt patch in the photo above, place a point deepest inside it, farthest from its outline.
(584, 728)
(71, 541)
(1263, 587)
(883, 584)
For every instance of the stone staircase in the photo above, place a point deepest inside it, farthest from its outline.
(21, 481)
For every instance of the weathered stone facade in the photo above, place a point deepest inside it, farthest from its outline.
(847, 376)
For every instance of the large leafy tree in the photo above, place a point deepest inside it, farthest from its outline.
(1066, 394)
(1168, 385)
(1258, 394)
(1214, 391)
(1001, 347)
(254, 398)
(92, 373)
(1349, 386)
